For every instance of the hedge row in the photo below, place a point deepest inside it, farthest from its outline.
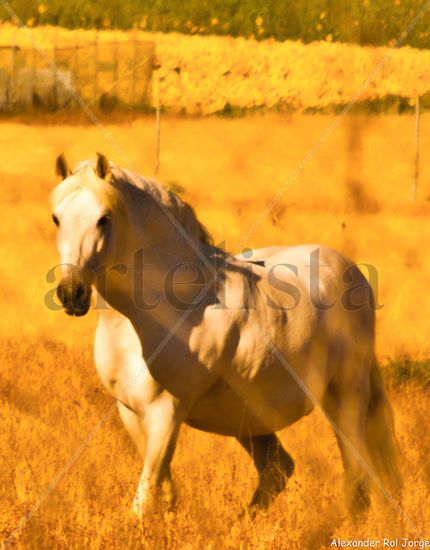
(373, 22)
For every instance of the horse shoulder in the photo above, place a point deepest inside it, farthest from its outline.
(214, 340)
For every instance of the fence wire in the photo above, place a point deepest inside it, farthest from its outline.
(107, 75)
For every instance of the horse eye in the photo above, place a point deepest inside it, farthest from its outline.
(55, 220)
(103, 221)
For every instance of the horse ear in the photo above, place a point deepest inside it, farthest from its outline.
(61, 167)
(103, 169)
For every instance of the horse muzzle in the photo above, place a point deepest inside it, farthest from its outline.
(75, 297)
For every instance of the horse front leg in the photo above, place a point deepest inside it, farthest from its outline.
(161, 422)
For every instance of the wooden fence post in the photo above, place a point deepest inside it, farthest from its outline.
(158, 122)
(96, 66)
(115, 64)
(75, 72)
(417, 149)
(34, 100)
(133, 81)
(55, 70)
(11, 92)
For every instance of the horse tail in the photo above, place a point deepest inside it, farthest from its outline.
(380, 437)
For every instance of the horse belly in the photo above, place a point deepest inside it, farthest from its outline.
(222, 411)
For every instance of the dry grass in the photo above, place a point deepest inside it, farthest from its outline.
(356, 198)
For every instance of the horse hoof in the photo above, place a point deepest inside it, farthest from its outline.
(248, 512)
(142, 505)
(359, 501)
(137, 509)
(168, 494)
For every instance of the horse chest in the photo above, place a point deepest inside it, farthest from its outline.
(110, 368)
(119, 362)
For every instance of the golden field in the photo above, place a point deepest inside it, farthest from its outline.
(207, 74)
(354, 195)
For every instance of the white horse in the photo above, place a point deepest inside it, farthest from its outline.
(188, 333)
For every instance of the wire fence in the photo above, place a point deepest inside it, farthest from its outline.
(108, 75)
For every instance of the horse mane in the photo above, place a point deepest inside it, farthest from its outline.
(111, 194)
(181, 210)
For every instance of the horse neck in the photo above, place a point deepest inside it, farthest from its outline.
(154, 268)
(151, 244)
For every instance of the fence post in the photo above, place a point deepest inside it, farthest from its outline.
(55, 90)
(34, 99)
(133, 81)
(115, 64)
(11, 92)
(96, 64)
(417, 148)
(158, 122)
(75, 71)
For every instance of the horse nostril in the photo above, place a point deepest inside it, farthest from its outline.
(74, 296)
(80, 291)
(61, 293)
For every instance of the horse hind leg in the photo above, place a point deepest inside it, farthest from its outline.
(274, 466)
(345, 402)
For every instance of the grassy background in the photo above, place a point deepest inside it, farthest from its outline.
(375, 22)
(354, 197)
